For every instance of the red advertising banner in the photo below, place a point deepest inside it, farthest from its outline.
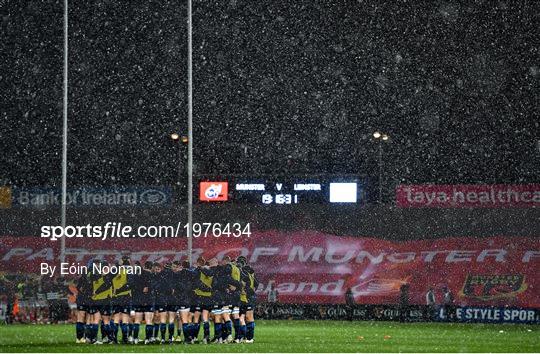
(312, 267)
(468, 196)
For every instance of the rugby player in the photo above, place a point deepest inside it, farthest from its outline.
(162, 295)
(143, 303)
(217, 297)
(84, 292)
(169, 276)
(202, 301)
(248, 299)
(229, 278)
(100, 308)
(121, 303)
(183, 288)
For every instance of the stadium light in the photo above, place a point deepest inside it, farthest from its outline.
(380, 137)
(177, 137)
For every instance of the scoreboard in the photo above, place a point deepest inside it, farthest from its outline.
(283, 191)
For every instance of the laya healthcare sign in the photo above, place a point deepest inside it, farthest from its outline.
(468, 196)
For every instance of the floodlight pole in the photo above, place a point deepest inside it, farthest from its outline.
(380, 170)
(190, 134)
(64, 135)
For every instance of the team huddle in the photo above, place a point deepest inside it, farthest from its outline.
(175, 295)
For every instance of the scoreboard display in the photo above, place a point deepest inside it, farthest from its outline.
(283, 191)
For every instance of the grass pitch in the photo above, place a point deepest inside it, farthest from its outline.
(306, 336)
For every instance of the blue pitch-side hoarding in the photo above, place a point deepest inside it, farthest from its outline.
(494, 315)
(92, 197)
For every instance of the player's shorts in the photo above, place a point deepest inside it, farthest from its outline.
(233, 299)
(105, 310)
(226, 309)
(161, 307)
(121, 309)
(245, 307)
(82, 307)
(200, 308)
(235, 310)
(92, 309)
(172, 308)
(201, 303)
(183, 308)
(143, 308)
(217, 309)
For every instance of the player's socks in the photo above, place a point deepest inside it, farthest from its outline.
(104, 332)
(206, 329)
(236, 324)
(250, 330)
(163, 330)
(114, 331)
(79, 330)
(94, 332)
(185, 330)
(190, 330)
(136, 328)
(171, 331)
(226, 330)
(242, 331)
(148, 331)
(218, 327)
(88, 331)
(130, 330)
(156, 330)
(125, 331)
(197, 329)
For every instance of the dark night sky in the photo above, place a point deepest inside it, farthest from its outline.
(295, 86)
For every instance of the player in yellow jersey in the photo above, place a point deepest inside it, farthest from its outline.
(202, 301)
(100, 309)
(248, 299)
(121, 303)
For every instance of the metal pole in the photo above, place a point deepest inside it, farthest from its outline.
(190, 134)
(380, 172)
(65, 132)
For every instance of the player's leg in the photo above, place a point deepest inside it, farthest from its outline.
(162, 323)
(179, 329)
(79, 325)
(206, 325)
(184, 322)
(241, 325)
(235, 315)
(218, 324)
(250, 324)
(226, 335)
(149, 325)
(131, 324)
(171, 317)
(137, 325)
(195, 316)
(115, 324)
(94, 328)
(89, 323)
(124, 325)
(157, 319)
